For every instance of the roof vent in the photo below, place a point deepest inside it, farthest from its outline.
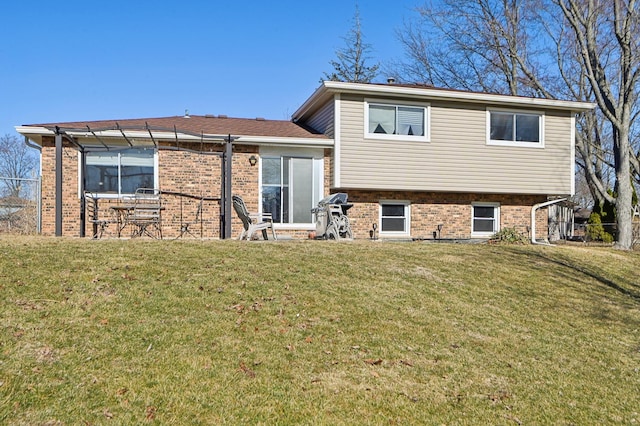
(222, 116)
(391, 80)
(209, 116)
(260, 119)
(186, 114)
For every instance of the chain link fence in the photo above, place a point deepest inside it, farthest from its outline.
(584, 232)
(19, 205)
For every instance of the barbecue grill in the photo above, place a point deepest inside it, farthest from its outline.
(332, 222)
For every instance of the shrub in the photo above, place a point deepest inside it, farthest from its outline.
(509, 236)
(596, 231)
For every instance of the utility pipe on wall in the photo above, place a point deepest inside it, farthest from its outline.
(533, 217)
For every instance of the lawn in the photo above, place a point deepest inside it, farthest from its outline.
(311, 332)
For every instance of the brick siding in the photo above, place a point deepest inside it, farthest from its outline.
(452, 210)
(200, 175)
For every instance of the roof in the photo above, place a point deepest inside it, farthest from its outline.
(424, 92)
(188, 127)
(208, 124)
(212, 128)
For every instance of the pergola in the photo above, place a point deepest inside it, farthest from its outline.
(123, 137)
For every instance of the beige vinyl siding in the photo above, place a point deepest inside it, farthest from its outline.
(322, 120)
(457, 158)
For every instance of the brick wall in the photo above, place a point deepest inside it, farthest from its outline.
(199, 175)
(180, 172)
(244, 183)
(186, 177)
(452, 210)
(70, 201)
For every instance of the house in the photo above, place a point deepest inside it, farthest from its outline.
(417, 162)
(15, 214)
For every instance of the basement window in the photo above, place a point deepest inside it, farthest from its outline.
(394, 218)
(485, 219)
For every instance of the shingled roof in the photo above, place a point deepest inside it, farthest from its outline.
(196, 124)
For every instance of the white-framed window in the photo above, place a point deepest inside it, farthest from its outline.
(396, 121)
(510, 128)
(395, 218)
(485, 219)
(291, 185)
(120, 172)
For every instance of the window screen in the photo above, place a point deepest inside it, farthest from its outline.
(396, 120)
(393, 217)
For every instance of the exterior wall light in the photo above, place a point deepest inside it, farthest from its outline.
(253, 160)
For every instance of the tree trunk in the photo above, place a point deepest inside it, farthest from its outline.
(624, 207)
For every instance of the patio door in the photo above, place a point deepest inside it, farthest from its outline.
(301, 199)
(290, 187)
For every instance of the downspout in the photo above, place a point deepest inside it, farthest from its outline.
(31, 144)
(533, 218)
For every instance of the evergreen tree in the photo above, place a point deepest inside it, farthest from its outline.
(350, 65)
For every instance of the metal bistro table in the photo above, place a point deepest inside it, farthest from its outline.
(145, 220)
(143, 212)
(121, 212)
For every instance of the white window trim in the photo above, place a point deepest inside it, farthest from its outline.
(156, 177)
(406, 138)
(407, 223)
(318, 159)
(496, 227)
(516, 143)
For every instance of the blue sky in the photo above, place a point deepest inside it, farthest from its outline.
(74, 60)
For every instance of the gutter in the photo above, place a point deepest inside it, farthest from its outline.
(323, 94)
(448, 94)
(533, 219)
(285, 141)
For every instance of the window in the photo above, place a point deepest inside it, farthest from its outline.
(291, 187)
(485, 219)
(508, 128)
(394, 218)
(120, 172)
(388, 121)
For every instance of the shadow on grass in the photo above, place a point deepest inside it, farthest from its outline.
(632, 291)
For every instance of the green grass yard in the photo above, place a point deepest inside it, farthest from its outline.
(312, 332)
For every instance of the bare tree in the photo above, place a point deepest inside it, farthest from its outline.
(509, 46)
(607, 33)
(17, 161)
(351, 63)
(477, 45)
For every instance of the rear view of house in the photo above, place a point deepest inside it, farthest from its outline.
(417, 162)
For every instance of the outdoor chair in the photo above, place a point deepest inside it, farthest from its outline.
(252, 222)
(197, 220)
(146, 214)
(93, 216)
